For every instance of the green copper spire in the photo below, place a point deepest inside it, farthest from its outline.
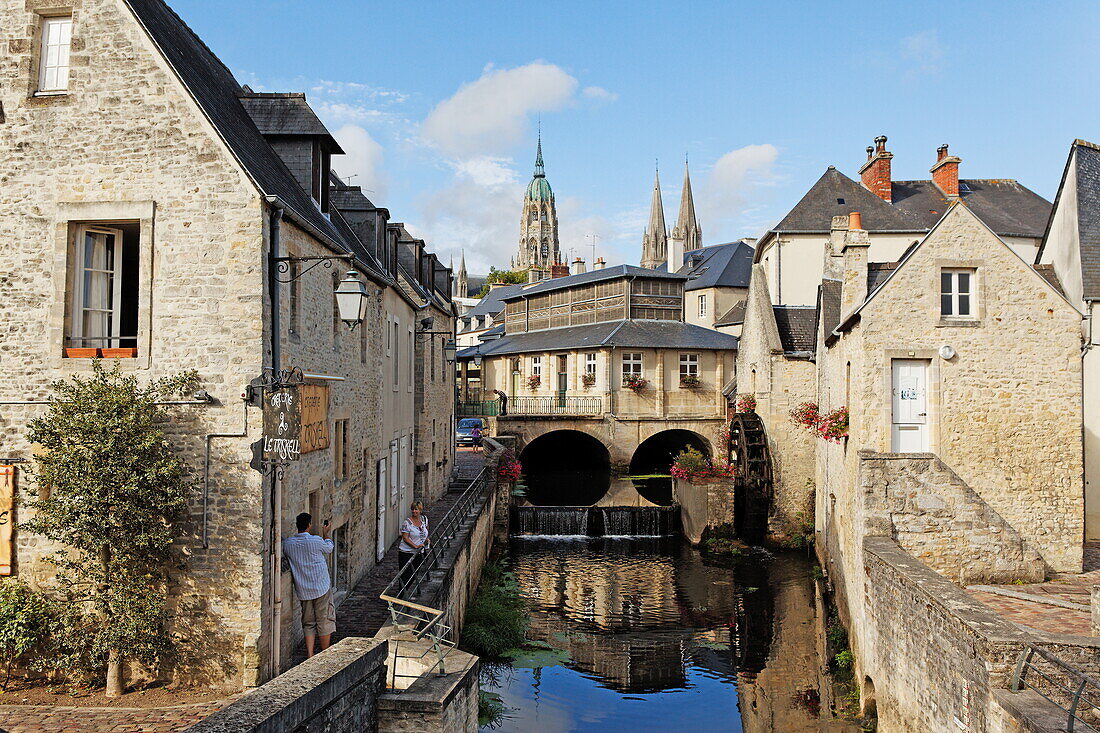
(539, 188)
(540, 169)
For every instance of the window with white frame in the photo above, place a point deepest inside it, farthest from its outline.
(957, 293)
(105, 289)
(590, 364)
(632, 364)
(53, 72)
(703, 305)
(536, 366)
(689, 365)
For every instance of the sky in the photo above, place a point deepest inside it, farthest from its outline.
(438, 103)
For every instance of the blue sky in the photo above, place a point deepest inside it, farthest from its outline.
(437, 102)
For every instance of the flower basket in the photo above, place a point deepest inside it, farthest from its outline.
(746, 403)
(689, 381)
(119, 353)
(509, 468)
(81, 353)
(831, 426)
(693, 467)
(533, 382)
(634, 382)
(588, 379)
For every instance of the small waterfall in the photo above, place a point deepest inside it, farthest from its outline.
(573, 521)
(640, 521)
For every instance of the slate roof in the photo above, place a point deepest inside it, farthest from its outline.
(718, 266)
(1048, 273)
(493, 302)
(592, 276)
(1008, 208)
(829, 306)
(285, 114)
(734, 316)
(624, 334)
(877, 273)
(219, 96)
(1085, 158)
(796, 327)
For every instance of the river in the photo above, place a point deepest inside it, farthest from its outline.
(640, 634)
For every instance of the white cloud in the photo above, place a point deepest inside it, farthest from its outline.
(733, 181)
(362, 159)
(922, 52)
(490, 115)
(599, 94)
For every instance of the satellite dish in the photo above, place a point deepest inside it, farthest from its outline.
(947, 352)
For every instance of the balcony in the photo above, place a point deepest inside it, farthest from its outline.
(549, 405)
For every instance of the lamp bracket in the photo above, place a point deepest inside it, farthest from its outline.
(282, 264)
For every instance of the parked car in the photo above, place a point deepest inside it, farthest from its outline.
(464, 433)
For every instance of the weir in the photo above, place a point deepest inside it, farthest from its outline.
(589, 521)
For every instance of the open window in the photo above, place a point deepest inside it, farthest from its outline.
(103, 311)
(53, 60)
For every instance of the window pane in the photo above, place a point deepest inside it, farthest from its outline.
(945, 305)
(945, 282)
(964, 282)
(964, 305)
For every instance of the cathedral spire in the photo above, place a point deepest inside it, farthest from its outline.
(655, 241)
(538, 227)
(540, 169)
(687, 233)
(462, 287)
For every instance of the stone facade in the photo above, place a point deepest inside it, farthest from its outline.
(128, 146)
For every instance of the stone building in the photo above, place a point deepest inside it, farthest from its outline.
(571, 347)
(538, 225)
(960, 367)
(717, 285)
(124, 137)
(1071, 248)
(777, 335)
(661, 249)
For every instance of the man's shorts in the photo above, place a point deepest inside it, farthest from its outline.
(319, 615)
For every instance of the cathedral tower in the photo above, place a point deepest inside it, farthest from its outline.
(461, 281)
(655, 239)
(538, 227)
(686, 235)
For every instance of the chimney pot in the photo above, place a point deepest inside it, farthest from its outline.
(880, 144)
(855, 220)
(941, 152)
(870, 152)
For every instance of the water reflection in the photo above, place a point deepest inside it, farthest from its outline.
(642, 635)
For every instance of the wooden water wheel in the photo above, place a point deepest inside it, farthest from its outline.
(752, 499)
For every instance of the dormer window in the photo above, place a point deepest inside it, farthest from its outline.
(53, 67)
(321, 165)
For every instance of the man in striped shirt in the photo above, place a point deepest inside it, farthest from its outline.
(309, 568)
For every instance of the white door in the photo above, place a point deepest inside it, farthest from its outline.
(909, 421)
(380, 487)
(405, 459)
(394, 478)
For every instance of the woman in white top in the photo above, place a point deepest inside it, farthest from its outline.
(414, 535)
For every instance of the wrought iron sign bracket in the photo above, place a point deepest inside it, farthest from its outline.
(282, 265)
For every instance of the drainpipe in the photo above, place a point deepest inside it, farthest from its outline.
(274, 291)
(1084, 465)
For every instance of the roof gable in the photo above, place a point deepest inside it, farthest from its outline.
(835, 194)
(718, 266)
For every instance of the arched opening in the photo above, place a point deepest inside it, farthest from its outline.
(653, 459)
(566, 468)
(868, 704)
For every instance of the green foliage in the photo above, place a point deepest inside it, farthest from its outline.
(117, 493)
(728, 548)
(26, 620)
(844, 660)
(496, 619)
(801, 534)
(508, 277)
(835, 632)
(817, 573)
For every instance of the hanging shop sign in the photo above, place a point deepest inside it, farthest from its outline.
(315, 428)
(7, 517)
(282, 411)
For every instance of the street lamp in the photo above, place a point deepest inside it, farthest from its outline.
(351, 299)
(449, 350)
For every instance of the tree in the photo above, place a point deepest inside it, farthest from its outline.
(117, 493)
(508, 277)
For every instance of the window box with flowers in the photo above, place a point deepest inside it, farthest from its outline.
(533, 382)
(588, 379)
(746, 403)
(689, 381)
(634, 382)
(692, 466)
(831, 426)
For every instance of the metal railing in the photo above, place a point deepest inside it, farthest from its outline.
(480, 408)
(1072, 683)
(556, 405)
(409, 612)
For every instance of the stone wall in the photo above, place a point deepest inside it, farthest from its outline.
(444, 703)
(434, 401)
(337, 691)
(933, 514)
(703, 504)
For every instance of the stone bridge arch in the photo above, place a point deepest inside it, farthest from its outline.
(566, 468)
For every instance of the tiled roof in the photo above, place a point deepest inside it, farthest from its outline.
(1008, 208)
(592, 276)
(829, 303)
(285, 114)
(624, 334)
(718, 266)
(796, 327)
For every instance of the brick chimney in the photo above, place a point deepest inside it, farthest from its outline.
(945, 173)
(578, 266)
(876, 171)
(559, 269)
